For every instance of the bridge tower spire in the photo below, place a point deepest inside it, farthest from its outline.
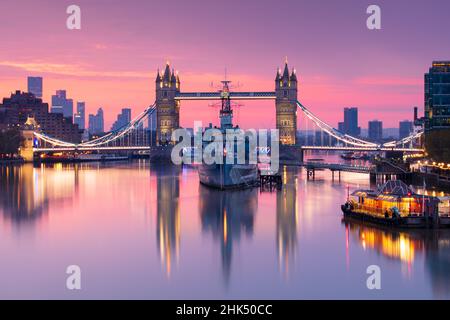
(167, 108)
(286, 105)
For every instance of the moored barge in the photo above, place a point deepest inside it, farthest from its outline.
(395, 204)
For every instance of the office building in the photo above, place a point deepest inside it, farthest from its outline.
(437, 111)
(35, 86)
(123, 119)
(20, 105)
(375, 130)
(152, 121)
(96, 123)
(60, 104)
(350, 124)
(405, 129)
(437, 96)
(80, 117)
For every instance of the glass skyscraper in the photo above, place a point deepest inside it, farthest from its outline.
(350, 125)
(405, 128)
(437, 110)
(437, 96)
(80, 116)
(375, 130)
(60, 104)
(96, 122)
(35, 86)
(123, 119)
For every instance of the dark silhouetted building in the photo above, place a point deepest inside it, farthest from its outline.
(123, 119)
(375, 130)
(35, 86)
(80, 117)
(15, 110)
(405, 129)
(60, 104)
(350, 124)
(96, 123)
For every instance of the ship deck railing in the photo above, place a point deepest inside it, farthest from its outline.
(380, 212)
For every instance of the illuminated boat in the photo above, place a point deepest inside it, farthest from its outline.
(395, 204)
(90, 157)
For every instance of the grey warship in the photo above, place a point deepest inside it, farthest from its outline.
(229, 175)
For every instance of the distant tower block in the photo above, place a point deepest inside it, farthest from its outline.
(286, 105)
(167, 108)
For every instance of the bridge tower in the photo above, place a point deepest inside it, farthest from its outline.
(27, 132)
(167, 108)
(286, 105)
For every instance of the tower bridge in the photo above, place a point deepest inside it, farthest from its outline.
(169, 97)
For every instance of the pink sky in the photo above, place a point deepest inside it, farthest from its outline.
(112, 61)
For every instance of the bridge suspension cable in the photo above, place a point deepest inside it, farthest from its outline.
(350, 140)
(104, 140)
(406, 140)
(333, 132)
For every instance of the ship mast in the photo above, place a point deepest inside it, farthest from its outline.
(226, 113)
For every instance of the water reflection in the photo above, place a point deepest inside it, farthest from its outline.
(27, 191)
(246, 234)
(438, 263)
(392, 244)
(227, 214)
(287, 221)
(405, 245)
(168, 214)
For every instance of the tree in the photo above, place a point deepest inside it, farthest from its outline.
(10, 142)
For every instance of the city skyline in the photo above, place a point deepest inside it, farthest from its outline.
(225, 150)
(385, 76)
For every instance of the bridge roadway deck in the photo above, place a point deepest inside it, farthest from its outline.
(304, 148)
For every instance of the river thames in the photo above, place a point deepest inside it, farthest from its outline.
(147, 231)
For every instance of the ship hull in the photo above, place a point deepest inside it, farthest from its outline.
(228, 176)
(403, 222)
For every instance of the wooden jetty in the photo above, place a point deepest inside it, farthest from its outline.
(270, 181)
(383, 170)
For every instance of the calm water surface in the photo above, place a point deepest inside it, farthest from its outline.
(150, 231)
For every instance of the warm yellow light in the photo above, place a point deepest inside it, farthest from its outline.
(225, 227)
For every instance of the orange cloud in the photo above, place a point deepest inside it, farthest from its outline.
(71, 70)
